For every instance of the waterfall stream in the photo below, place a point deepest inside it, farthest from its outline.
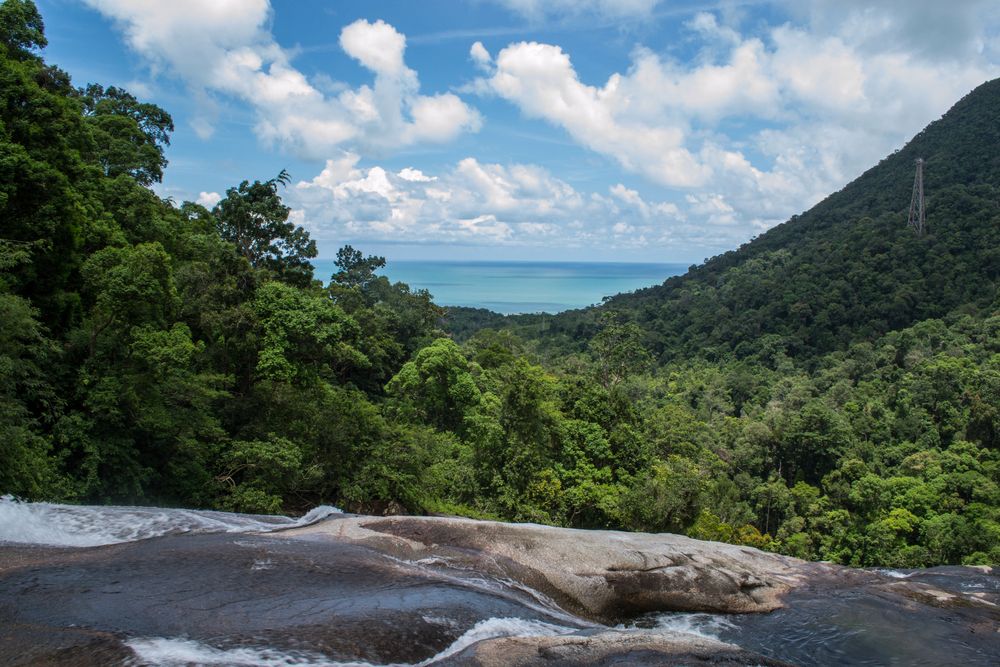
(180, 587)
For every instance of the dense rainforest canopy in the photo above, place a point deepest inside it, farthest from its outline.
(829, 390)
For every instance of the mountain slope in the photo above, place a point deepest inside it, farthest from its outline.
(847, 270)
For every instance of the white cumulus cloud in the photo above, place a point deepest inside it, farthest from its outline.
(377, 46)
(480, 56)
(225, 47)
(541, 81)
(477, 203)
(757, 122)
(757, 126)
(208, 199)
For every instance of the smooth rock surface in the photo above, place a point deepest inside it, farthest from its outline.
(609, 648)
(343, 600)
(606, 576)
(419, 590)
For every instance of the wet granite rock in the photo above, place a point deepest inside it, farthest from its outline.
(608, 648)
(405, 589)
(605, 576)
(23, 644)
(342, 600)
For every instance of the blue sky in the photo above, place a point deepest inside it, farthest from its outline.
(636, 130)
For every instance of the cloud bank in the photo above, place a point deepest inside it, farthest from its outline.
(739, 123)
(755, 127)
(478, 204)
(224, 47)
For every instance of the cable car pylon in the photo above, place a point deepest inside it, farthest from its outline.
(916, 219)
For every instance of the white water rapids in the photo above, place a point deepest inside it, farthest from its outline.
(52, 524)
(183, 652)
(179, 653)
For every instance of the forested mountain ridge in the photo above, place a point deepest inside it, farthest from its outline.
(832, 356)
(848, 269)
(154, 353)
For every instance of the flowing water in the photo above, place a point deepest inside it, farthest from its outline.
(170, 652)
(157, 578)
(91, 526)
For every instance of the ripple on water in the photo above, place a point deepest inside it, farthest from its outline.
(709, 626)
(177, 652)
(53, 524)
(862, 627)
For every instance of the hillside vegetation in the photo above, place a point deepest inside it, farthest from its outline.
(831, 390)
(847, 270)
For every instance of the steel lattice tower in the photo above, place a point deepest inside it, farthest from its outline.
(916, 221)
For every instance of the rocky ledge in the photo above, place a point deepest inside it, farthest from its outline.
(610, 648)
(606, 576)
(416, 589)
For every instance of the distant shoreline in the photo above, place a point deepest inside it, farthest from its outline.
(519, 287)
(525, 261)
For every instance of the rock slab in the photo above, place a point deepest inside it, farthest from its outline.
(605, 576)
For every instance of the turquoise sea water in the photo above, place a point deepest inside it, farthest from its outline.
(520, 287)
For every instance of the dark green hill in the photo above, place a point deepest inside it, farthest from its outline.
(848, 269)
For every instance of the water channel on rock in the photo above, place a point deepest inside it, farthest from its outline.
(150, 586)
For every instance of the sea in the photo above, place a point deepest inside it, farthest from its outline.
(520, 287)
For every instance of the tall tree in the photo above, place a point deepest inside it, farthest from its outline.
(21, 27)
(618, 349)
(129, 135)
(253, 217)
(356, 270)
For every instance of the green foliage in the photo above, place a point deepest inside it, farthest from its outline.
(302, 336)
(253, 218)
(257, 474)
(618, 349)
(26, 401)
(128, 135)
(830, 390)
(356, 270)
(395, 321)
(665, 499)
(437, 386)
(21, 27)
(128, 286)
